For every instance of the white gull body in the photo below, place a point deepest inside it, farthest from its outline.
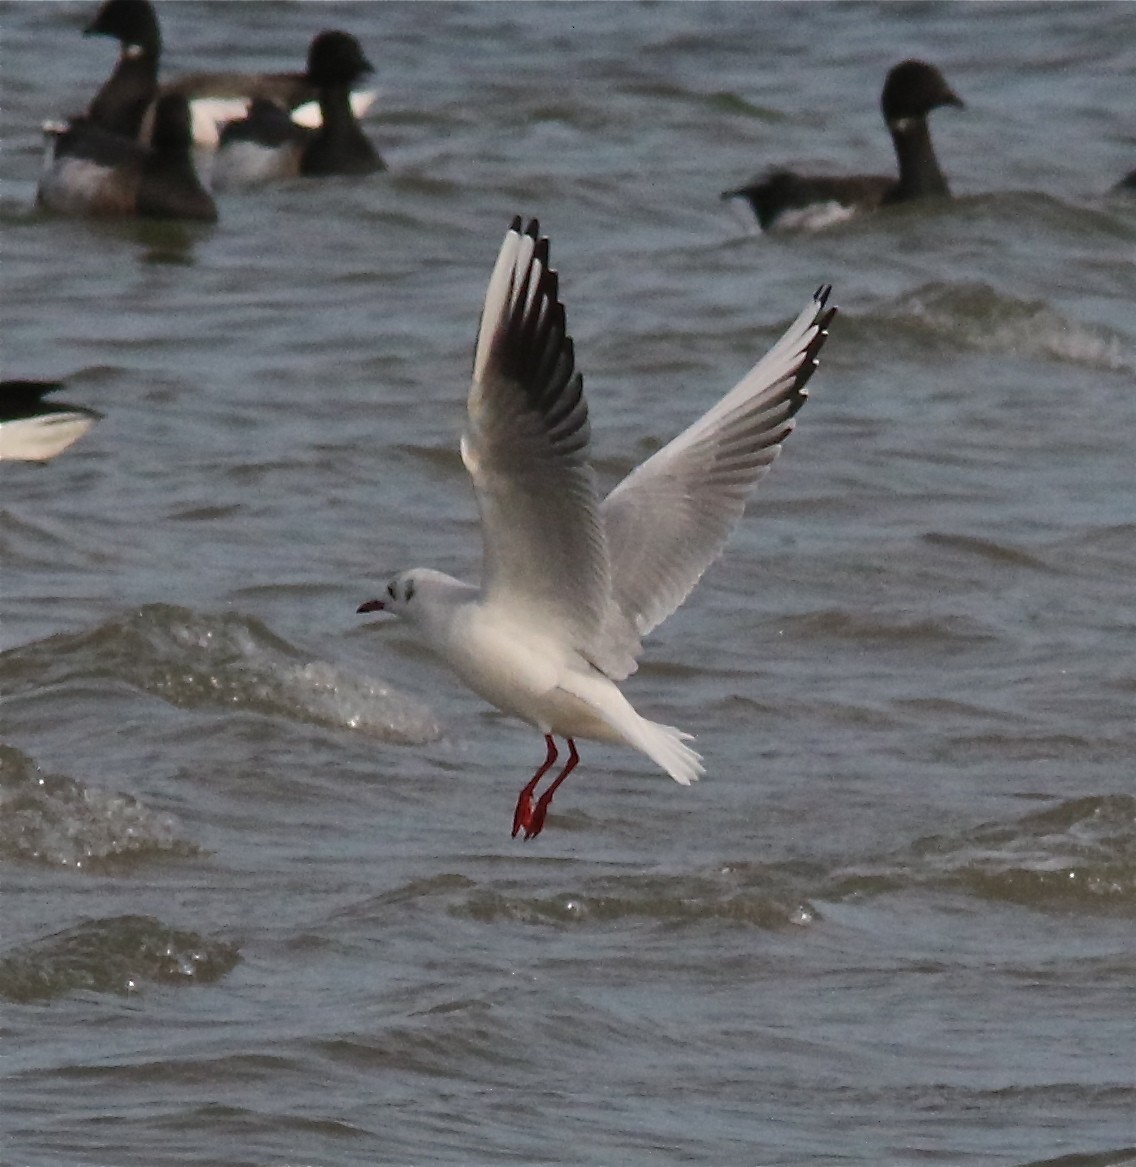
(571, 583)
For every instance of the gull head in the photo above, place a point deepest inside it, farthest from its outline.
(399, 597)
(421, 594)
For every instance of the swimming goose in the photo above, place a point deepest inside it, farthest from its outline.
(267, 144)
(120, 106)
(89, 171)
(263, 146)
(216, 99)
(783, 198)
(128, 95)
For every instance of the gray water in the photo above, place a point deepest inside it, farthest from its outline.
(260, 902)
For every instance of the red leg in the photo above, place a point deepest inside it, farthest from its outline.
(536, 819)
(522, 816)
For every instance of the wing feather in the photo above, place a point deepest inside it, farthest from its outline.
(526, 449)
(670, 518)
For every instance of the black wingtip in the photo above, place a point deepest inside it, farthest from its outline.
(515, 225)
(533, 229)
(811, 358)
(823, 318)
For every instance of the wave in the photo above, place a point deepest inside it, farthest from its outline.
(988, 549)
(975, 316)
(1095, 549)
(760, 896)
(53, 819)
(889, 628)
(1118, 1157)
(118, 954)
(1077, 856)
(225, 661)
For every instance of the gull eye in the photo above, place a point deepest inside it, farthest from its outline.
(390, 590)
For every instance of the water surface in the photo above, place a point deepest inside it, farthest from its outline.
(260, 903)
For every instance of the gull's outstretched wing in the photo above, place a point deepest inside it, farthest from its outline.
(669, 519)
(526, 449)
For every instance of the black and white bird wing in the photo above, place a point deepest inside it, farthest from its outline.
(526, 449)
(670, 518)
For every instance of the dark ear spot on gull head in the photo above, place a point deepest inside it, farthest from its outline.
(381, 605)
(400, 590)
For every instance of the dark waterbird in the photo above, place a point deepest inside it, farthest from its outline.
(784, 198)
(35, 430)
(127, 95)
(267, 144)
(125, 103)
(90, 171)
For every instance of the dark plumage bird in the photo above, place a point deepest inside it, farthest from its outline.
(34, 430)
(783, 198)
(125, 103)
(120, 106)
(90, 171)
(263, 146)
(267, 144)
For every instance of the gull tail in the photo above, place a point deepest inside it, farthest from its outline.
(663, 744)
(667, 747)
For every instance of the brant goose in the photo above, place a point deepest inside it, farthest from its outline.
(785, 199)
(34, 430)
(218, 98)
(263, 146)
(268, 144)
(88, 171)
(120, 106)
(131, 90)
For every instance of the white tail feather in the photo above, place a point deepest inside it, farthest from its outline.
(667, 747)
(663, 744)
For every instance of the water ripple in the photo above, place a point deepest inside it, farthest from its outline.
(118, 954)
(1077, 856)
(53, 819)
(975, 316)
(219, 661)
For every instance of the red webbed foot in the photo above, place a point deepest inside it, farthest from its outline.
(531, 818)
(535, 822)
(523, 815)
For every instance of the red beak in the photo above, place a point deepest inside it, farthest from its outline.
(371, 606)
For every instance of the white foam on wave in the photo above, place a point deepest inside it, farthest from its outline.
(232, 662)
(54, 819)
(986, 320)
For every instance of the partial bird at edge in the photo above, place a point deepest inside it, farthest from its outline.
(35, 430)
